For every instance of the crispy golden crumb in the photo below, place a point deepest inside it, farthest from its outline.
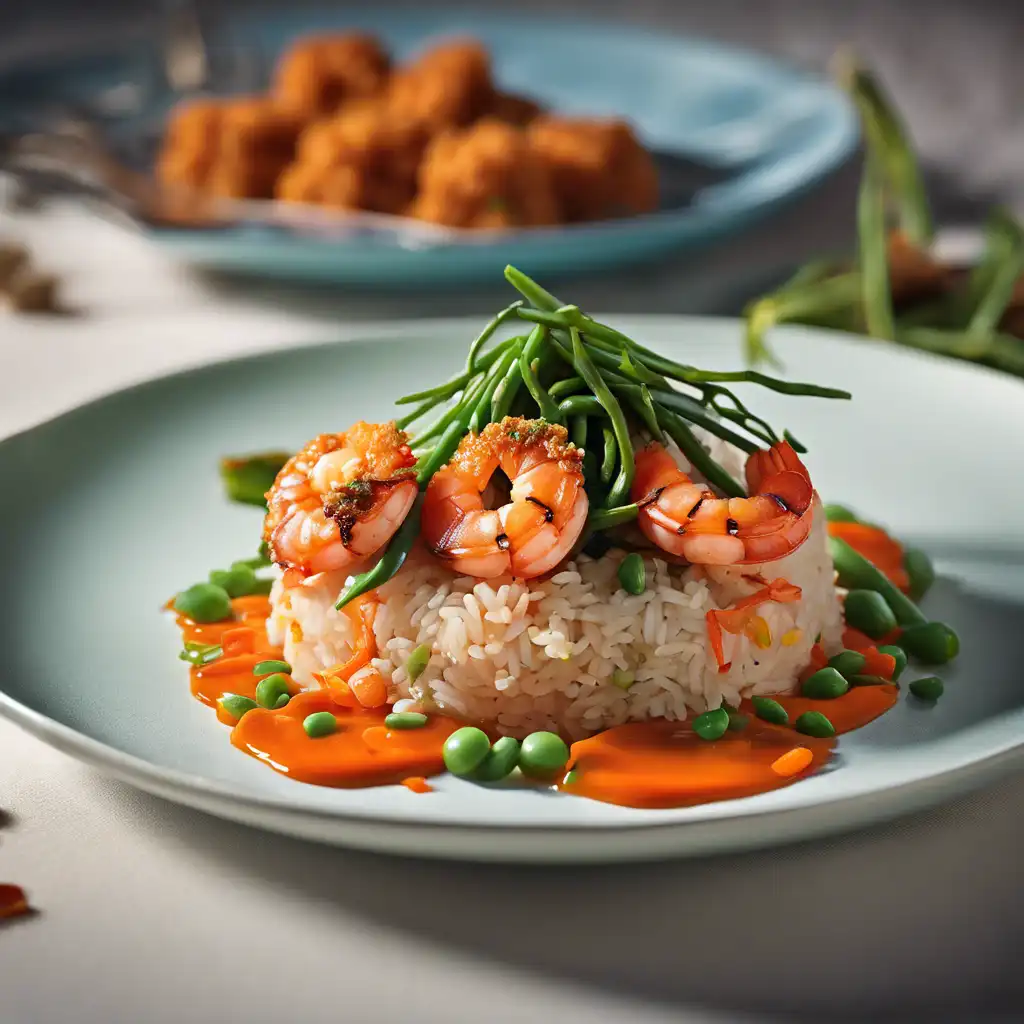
(599, 168)
(318, 74)
(485, 176)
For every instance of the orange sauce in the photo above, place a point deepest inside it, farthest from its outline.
(13, 901)
(363, 752)
(640, 764)
(666, 764)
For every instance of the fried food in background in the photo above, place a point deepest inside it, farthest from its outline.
(600, 169)
(447, 86)
(319, 74)
(234, 148)
(485, 176)
(364, 158)
(434, 139)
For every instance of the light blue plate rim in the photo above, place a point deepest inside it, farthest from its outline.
(377, 253)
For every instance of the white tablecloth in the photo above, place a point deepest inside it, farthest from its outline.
(152, 913)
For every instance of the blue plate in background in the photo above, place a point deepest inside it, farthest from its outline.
(735, 134)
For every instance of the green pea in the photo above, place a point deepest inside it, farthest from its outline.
(264, 668)
(898, 655)
(711, 725)
(236, 705)
(542, 754)
(405, 720)
(499, 761)
(270, 690)
(623, 679)
(814, 723)
(263, 587)
(737, 720)
(237, 581)
(319, 724)
(920, 571)
(928, 688)
(465, 749)
(825, 684)
(868, 611)
(934, 643)
(204, 602)
(633, 574)
(282, 701)
(770, 710)
(840, 514)
(848, 663)
(417, 662)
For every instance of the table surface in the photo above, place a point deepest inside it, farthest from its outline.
(150, 912)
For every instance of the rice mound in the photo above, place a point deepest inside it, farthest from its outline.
(521, 655)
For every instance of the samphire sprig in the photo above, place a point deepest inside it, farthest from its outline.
(607, 388)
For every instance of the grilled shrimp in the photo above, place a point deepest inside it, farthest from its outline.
(341, 498)
(543, 518)
(688, 520)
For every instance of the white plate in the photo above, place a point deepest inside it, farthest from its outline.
(118, 505)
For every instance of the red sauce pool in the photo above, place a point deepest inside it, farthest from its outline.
(641, 764)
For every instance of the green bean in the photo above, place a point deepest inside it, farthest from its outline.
(874, 256)
(848, 663)
(500, 761)
(485, 335)
(898, 655)
(825, 684)
(838, 294)
(542, 754)
(699, 458)
(685, 408)
(639, 399)
(465, 750)
(578, 433)
(508, 389)
(857, 573)
(691, 375)
(711, 725)
(480, 416)
(264, 668)
(1003, 351)
(270, 690)
(595, 382)
(319, 724)
(814, 723)
(928, 688)
(611, 453)
(204, 602)
(580, 405)
(632, 574)
(442, 392)
(530, 290)
(548, 409)
(247, 478)
(887, 139)
(868, 611)
(606, 518)
(932, 643)
(405, 720)
(920, 572)
(1002, 247)
(770, 710)
(566, 386)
